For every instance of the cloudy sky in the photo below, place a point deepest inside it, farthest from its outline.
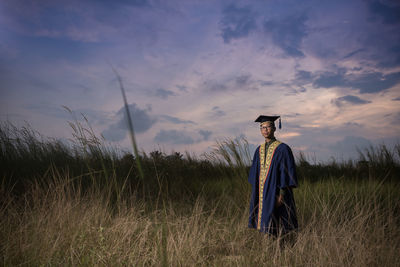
(200, 71)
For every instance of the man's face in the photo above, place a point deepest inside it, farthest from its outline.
(267, 129)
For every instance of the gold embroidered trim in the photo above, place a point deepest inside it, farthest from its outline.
(265, 163)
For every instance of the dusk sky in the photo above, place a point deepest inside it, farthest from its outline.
(200, 71)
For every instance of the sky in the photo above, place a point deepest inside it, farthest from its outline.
(196, 72)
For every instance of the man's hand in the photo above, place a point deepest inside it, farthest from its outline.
(279, 201)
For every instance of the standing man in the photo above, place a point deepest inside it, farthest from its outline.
(272, 177)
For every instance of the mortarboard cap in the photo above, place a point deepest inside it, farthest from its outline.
(263, 118)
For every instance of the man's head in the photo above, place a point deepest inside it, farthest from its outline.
(268, 129)
(267, 125)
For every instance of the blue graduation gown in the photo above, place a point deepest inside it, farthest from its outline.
(281, 174)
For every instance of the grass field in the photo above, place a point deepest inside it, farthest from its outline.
(87, 206)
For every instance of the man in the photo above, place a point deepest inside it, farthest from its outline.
(272, 177)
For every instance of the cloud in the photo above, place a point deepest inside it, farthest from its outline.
(142, 122)
(49, 110)
(88, 21)
(331, 79)
(215, 86)
(303, 75)
(390, 14)
(380, 36)
(353, 53)
(164, 94)
(349, 99)
(373, 82)
(395, 119)
(294, 91)
(363, 32)
(323, 143)
(217, 112)
(182, 137)
(391, 57)
(302, 78)
(242, 82)
(61, 112)
(114, 134)
(288, 33)
(266, 83)
(174, 137)
(205, 134)
(182, 88)
(288, 135)
(237, 22)
(123, 3)
(396, 99)
(176, 120)
(292, 115)
(19, 81)
(349, 144)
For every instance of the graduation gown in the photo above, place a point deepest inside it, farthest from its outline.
(271, 171)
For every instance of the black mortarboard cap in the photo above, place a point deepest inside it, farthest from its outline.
(263, 118)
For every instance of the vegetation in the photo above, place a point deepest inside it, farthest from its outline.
(84, 203)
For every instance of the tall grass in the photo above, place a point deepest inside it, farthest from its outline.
(82, 204)
(88, 161)
(130, 125)
(375, 162)
(354, 224)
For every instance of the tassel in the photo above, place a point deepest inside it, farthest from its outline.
(280, 123)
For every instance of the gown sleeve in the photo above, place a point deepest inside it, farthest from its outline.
(253, 173)
(287, 169)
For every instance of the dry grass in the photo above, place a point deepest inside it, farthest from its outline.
(352, 224)
(83, 211)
